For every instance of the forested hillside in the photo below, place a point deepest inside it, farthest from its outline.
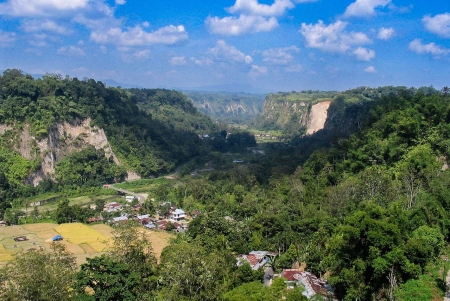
(295, 114)
(370, 212)
(48, 125)
(237, 108)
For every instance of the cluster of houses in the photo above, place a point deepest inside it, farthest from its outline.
(175, 220)
(294, 277)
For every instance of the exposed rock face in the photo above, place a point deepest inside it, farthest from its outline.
(318, 117)
(62, 139)
(296, 116)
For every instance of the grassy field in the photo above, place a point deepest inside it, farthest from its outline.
(82, 201)
(81, 240)
(142, 185)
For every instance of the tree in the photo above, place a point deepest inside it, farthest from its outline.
(103, 278)
(35, 212)
(189, 272)
(39, 275)
(253, 291)
(12, 216)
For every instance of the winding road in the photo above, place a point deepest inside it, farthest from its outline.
(141, 197)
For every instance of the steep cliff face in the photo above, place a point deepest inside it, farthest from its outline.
(317, 117)
(294, 113)
(62, 139)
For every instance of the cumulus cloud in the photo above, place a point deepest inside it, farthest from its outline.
(386, 33)
(257, 71)
(44, 25)
(7, 38)
(370, 69)
(253, 7)
(136, 36)
(178, 61)
(333, 37)
(439, 24)
(136, 56)
(39, 7)
(233, 26)
(365, 8)
(223, 52)
(71, 51)
(364, 54)
(431, 48)
(120, 2)
(279, 56)
(294, 68)
(201, 61)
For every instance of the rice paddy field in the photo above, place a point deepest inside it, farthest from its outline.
(82, 240)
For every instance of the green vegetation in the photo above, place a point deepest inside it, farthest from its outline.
(365, 202)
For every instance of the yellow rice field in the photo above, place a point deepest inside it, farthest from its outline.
(83, 241)
(77, 233)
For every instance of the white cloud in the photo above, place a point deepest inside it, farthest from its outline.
(386, 33)
(7, 38)
(294, 68)
(47, 25)
(333, 37)
(120, 2)
(71, 51)
(201, 61)
(364, 8)
(252, 7)
(439, 24)
(279, 56)
(226, 53)
(232, 26)
(370, 69)
(37, 43)
(257, 71)
(364, 54)
(39, 7)
(431, 48)
(146, 24)
(178, 61)
(138, 37)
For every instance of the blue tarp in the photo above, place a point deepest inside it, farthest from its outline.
(57, 237)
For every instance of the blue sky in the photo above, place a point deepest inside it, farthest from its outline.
(279, 45)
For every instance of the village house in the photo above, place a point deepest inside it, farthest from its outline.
(195, 213)
(161, 225)
(120, 219)
(256, 259)
(95, 219)
(112, 207)
(312, 284)
(177, 215)
(130, 198)
(144, 219)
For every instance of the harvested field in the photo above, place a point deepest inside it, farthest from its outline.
(159, 240)
(81, 240)
(77, 233)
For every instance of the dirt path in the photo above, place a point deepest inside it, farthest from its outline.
(141, 197)
(318, 116)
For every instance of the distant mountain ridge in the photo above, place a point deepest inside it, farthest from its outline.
(227, 107)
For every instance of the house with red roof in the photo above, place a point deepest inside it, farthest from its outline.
(256, 259)
(312, 284)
